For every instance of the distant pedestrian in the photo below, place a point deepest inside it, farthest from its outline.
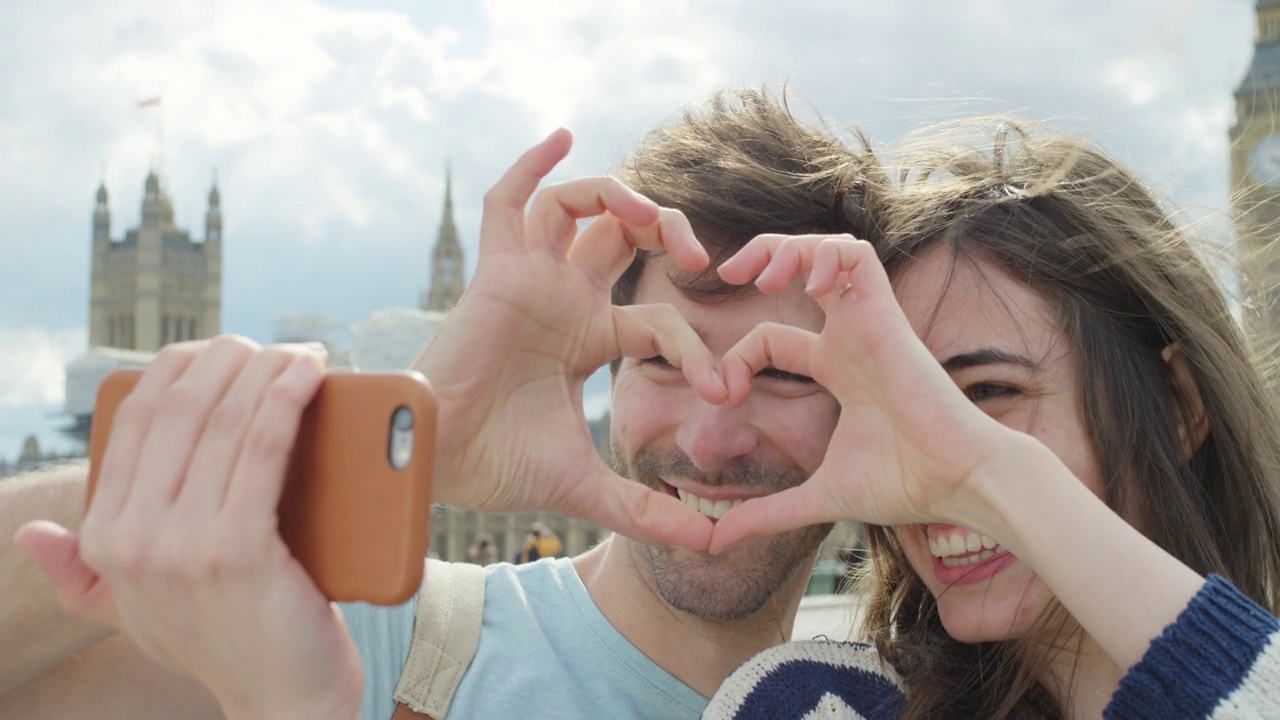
(482, 551)
(540, 542)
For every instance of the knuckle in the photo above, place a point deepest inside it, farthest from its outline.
(493, 199)
(171, 560)
(135, 412)
(229, 416)
(211, 558)
(124, 554)
(278, 357)
(283, 394)
(181, 398)
(674, 215)
(612, 185)
(268, 442)
(231, 341)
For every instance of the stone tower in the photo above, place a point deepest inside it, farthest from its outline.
(1255, 181)
(448, 270)
(155, 285)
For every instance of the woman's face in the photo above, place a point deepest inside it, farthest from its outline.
(1023, 372)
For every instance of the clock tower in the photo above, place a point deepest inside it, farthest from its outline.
(1255, 182)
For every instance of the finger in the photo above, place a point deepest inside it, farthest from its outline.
(129, 429)
(673, 235)
(784, 347)
(775, 260)
(182, 413)
(553, 217)
(502, 221)
(608, 245)
(789, 509)
(641, 514)
(258, 478)
(751, 259)
(220, 446)
(80, 591)
(647, 330)
(834, 274)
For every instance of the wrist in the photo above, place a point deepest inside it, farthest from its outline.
(1008, 490)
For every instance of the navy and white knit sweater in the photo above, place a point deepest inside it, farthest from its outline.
(1220, 659)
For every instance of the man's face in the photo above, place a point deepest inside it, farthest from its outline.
(713, 456)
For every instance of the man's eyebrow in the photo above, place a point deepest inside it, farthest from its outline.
(986, 356)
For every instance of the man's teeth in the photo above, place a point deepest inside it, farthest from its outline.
(714, 509)
(962, 547)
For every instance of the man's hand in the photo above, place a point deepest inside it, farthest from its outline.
(509, 363)
(180, 548)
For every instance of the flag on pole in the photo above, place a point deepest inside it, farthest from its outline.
(150, 102)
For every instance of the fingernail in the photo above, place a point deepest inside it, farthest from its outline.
(305, 368)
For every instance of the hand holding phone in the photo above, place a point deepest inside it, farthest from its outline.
(356, 504)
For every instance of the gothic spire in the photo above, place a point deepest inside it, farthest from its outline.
(447, 267)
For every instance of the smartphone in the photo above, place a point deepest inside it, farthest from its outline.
(356, 503)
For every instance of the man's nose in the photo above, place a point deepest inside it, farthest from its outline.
(712, 435)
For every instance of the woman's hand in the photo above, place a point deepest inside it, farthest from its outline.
(180, 548)
(509, 362)
(908, 442)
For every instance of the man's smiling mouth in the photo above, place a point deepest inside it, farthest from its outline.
(714, 509)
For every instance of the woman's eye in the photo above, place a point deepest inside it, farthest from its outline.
(989, 391)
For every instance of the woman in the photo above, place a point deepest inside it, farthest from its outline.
(1055, 435)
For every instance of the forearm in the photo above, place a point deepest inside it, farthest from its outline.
(113, 679)
(34, 632)
(1121, 587)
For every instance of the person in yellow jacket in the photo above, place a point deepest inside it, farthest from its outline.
(540, 542)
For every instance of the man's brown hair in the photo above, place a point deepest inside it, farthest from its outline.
(741, 165)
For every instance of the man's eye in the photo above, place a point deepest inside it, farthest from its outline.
(982, 392)
(776, 374)
(657, 361)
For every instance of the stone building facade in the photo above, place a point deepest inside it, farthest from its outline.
(154, 285)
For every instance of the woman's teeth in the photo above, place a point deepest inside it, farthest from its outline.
(962, 547)
(714, 509)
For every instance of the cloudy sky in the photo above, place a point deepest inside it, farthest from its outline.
(329, 123)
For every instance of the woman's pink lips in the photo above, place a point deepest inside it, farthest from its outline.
(962, 575)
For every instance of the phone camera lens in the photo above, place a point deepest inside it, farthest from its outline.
(400, 440)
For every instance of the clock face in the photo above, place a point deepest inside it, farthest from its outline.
(1264, 161)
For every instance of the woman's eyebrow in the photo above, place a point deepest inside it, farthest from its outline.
(986, 356)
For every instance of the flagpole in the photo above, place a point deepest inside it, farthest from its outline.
(158, 159)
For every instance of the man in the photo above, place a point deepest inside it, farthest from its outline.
(647, 624)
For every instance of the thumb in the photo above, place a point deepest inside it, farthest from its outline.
(643, 514)
(772, 514)
(56, 551)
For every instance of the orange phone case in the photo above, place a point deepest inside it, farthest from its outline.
(356, 523)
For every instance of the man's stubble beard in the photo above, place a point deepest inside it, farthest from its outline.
(743, 579)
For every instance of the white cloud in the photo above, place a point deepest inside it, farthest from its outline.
(330, 126)
(33, 362)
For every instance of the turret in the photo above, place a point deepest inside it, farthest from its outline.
(156, 208)
(213, 216)
(101, 215)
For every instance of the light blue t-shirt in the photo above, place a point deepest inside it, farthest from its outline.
(545, 650)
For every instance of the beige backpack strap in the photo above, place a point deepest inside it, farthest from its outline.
(446, 629)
